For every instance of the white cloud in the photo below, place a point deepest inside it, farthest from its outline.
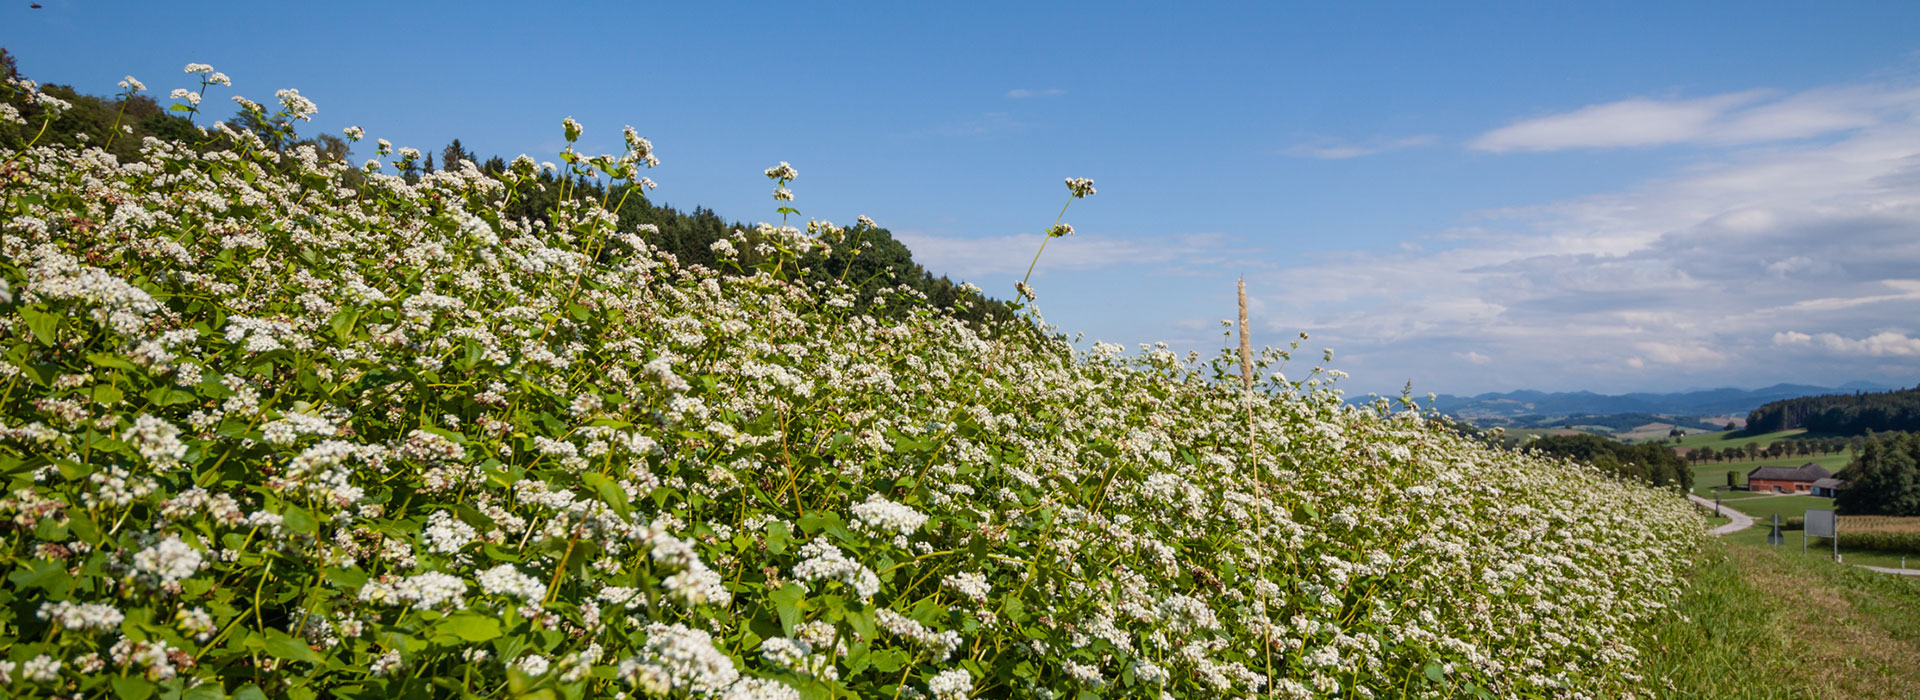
(1884, 344)
(1329, 149)
(1679, 281)
(1751, 116)
(1474, 357)
(1023, 93)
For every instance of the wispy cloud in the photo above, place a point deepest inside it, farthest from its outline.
(1750, 116)
(988, 124)
(1333, 149)
(1024, 93)
(1707, 275)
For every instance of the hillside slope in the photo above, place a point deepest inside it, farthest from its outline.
(271, 432)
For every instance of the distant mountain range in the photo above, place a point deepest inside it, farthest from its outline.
(1705, 402)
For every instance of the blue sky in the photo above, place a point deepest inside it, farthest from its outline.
(1602, 196)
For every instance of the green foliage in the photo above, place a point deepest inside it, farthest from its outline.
(279, 427)
(1648, 463)
(1885, 480)
(1841, 414)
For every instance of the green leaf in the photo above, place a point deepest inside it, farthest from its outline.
(42, 324)
(132, 688)
(110, 361)
(609, 492)
(108, 394)
(889, 660)
(49, 575)
(787, 602)
(179, 107)
(168, 396)
(299, 520)
(471, 626)
(347, 579)
(250, 692)
(1433, 671)
(777, 537)
(285, 646)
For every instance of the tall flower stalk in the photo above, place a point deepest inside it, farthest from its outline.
(1079, 188)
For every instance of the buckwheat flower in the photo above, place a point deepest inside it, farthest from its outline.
(783, 194)
(131, 85)
(84, 616)
(1080, 186)
(382, 147)
(1024, 290)
(447, 535)
(1060, 230)
(971, 585)
(571, 128)
(11, 115)
(782, 172)
(219, 78)
(168, 562)
(41, 669)
(354, 133)
(749, 688)
(157, 441)
(507, 580)
(823, 561)
(678, 659)
(199, 68)
(532, 665)
(879, 515)
(1087, 675)
(386, 664)
(951, 684)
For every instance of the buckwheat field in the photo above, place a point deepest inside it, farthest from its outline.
(279, 427)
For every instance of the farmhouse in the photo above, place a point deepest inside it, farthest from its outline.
(1800, 479)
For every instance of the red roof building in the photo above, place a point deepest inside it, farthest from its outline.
(1798, 479)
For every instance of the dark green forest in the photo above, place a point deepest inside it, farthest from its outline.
(1841, 414)
(864, 254)
(1649, 463)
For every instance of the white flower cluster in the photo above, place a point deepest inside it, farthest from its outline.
(679, 660)
(877, 515)
(157, 441)
(446, 534)
(433, 590)
(293, 425)
(168, 561)
(939, 645)
(951, 684)
(971, 585)
(83, 616)
(824, 562)
(507, 580)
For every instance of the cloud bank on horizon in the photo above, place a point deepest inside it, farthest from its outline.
(1789, 238)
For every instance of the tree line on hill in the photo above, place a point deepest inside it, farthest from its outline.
(1841, 414)
(120, 123)
(1790, 447)
(1648, 463)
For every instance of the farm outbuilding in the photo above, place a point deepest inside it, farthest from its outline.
(1800, 479)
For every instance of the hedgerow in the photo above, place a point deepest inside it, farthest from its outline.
(277, 427)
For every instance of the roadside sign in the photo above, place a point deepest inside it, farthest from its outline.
(1822, 523)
